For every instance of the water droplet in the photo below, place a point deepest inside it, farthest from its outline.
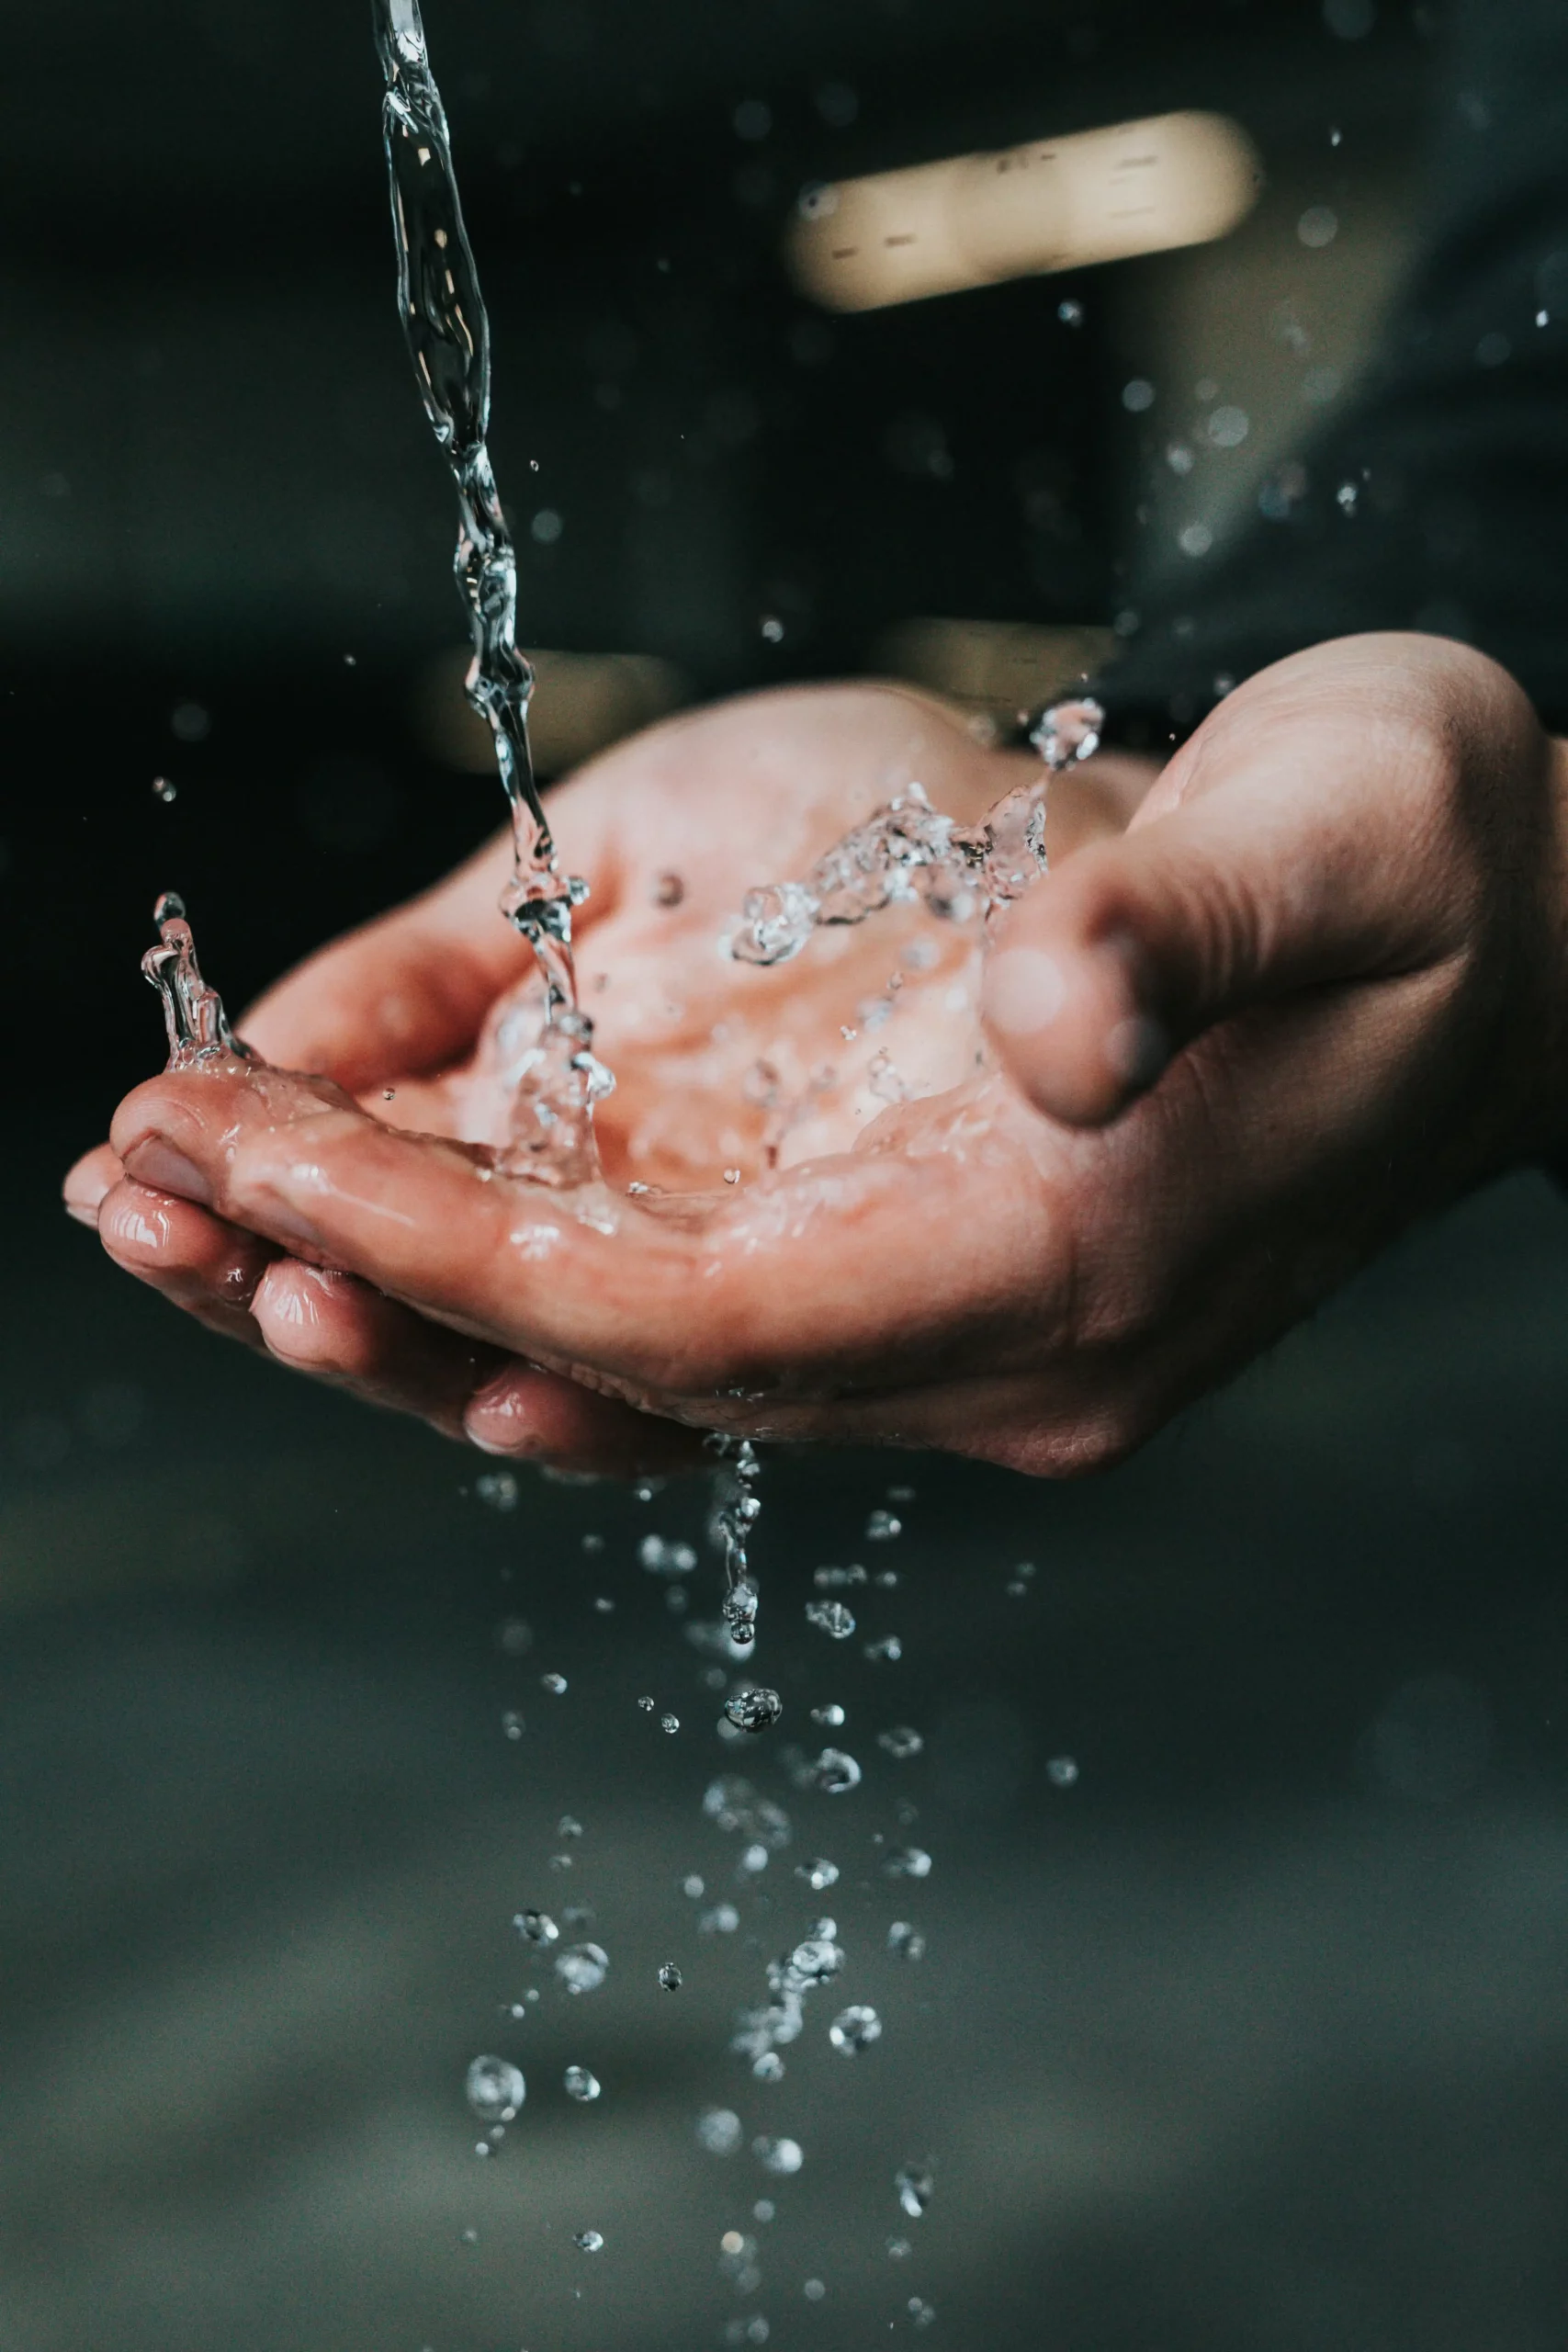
(718, 2130)
(1067, 733)
(515, 1636)
(772, 629)
(556, 1682)
(670, 1977)
(881, 1526)
(813, 2290)
(498, 1488)
(899, 2249)
(513, 1724)
(889, 1648)
(779, 2155)
(163, 789)
(900, 1741)
(833, 1772)
(1228, 427)
(832, 1716)
(754, 1710)
(1346, 497)
(921, 2313)
(663, 1558)
(1318, 226)
(591, 2240)
(569, 1826)
(535, 1926)
(191, 723)
(906, 1942)
(854, 2030)
(722, 1920)
(495, 2088)
(915, 2187)
(648, 1705)
(582, 1968)
(768, 2066)
(818, 1875)
(829, 1580)
(1070, 312)
(816, 1961)
(741, 1611)
(1138, 395)
(1061, 1772)
(908, 1861)
(670, 1724)
(832, 1618)
(580, 2085)
(693, 1887)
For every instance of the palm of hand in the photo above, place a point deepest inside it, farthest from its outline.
(723, 1070)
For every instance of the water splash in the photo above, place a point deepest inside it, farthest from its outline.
(194, 1017)
(910, 853)
(447, 332)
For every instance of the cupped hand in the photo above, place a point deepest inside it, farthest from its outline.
(723, 1071)
(1316, 991)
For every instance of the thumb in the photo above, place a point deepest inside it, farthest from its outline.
(1286, 846)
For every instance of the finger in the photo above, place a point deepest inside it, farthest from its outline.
(800, 1283)
(195, 1260)
(87, 1184)
(1303, 835)
(337, 1329)
(531, 1415)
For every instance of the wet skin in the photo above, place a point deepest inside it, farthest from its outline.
(1314, 988)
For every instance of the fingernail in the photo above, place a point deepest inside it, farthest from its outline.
(1137, 1050)
(85, 1212)
(156, 1163)
(1024, 991)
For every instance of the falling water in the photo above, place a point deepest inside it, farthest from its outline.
(447, 332)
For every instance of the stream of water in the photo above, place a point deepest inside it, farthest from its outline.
(447, 332)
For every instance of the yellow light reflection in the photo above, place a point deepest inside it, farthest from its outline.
(1140, 188)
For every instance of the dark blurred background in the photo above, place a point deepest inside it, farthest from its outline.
(1253, 2035)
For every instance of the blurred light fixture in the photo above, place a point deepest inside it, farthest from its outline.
(1140, 188)
(581, 703)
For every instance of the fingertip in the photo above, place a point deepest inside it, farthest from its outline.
(1068, 1024)
(88, 1184)
(527, 1414)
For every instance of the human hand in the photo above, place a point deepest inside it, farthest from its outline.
(1339, 913)
(412, 1012)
